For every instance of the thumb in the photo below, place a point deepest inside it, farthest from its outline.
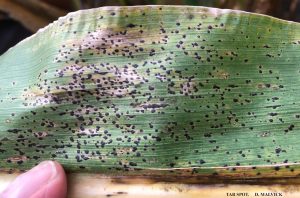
(47, 180)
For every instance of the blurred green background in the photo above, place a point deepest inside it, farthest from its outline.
(21, 18)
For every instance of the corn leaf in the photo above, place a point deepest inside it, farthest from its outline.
(155, 90)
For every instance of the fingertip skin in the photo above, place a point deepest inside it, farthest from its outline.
(59, 187)
(56, 188)
(47, 180)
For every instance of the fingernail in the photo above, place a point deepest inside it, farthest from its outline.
(32, 181)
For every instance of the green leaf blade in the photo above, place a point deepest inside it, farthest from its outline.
(154, 89)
